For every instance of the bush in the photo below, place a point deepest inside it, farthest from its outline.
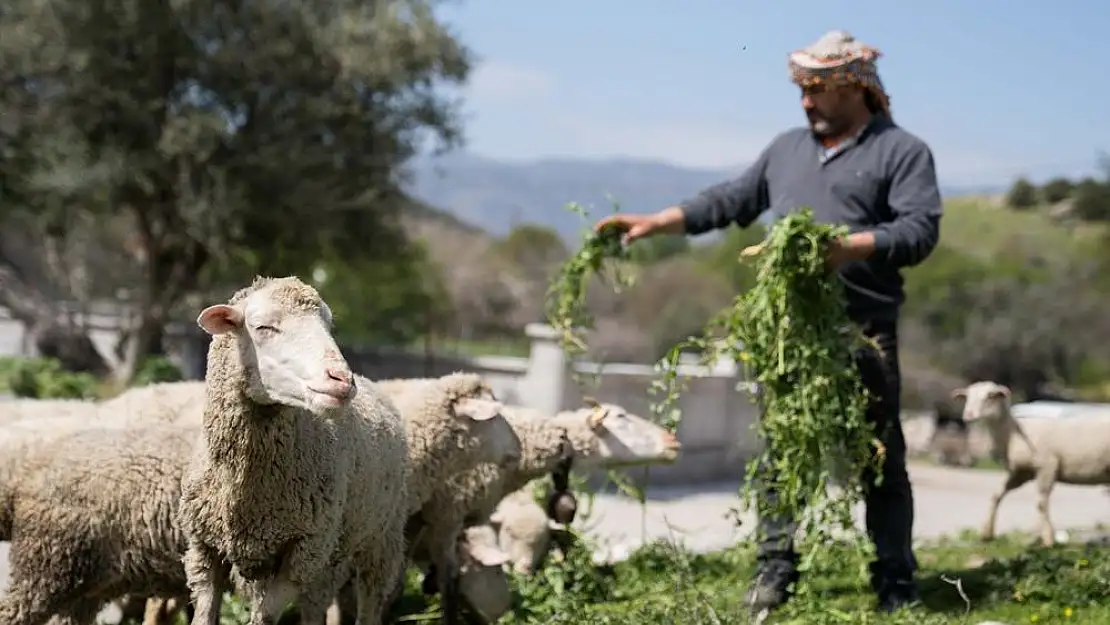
(44, 378)
(156, 369)
(1022, 194)
(1057, 190)
(1092, 200)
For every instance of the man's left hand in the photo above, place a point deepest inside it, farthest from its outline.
(855, 246)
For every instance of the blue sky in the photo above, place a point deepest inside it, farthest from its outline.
(998, 88)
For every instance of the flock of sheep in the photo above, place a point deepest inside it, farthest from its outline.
(286, 478)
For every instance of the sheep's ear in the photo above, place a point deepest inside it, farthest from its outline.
(596, 418)
(497, 518)
(220, 319)
(477, 409)
(590, 402)
(960, 393)
(487, 555)
(1001, 392)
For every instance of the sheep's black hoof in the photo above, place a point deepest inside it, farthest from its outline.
(562, 507)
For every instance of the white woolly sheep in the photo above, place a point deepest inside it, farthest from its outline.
(598, 435)
(523, 530)
(453, 423)
(21, 409)
(298, 480)
(80, 501)
(1071, 450)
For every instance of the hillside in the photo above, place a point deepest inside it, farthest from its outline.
(495, 195)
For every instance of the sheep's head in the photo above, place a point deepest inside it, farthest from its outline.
(480, 413)
(483, 582)
(621, 438)
(984, 400)
(282, 329)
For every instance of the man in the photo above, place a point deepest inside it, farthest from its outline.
(855, 167)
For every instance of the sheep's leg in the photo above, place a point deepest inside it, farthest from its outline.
(1046, 480)
(1013, 480)
(448, 579)
(207, 578)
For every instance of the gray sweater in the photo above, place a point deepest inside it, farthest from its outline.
(883, 181)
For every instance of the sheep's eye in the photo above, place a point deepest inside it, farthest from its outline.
(267, 329)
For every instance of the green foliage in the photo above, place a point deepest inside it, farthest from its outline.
(387, 303)
(532, 245)
(655, 249)
(225, 139)
(1056, 190)
(1022, 195)
(662, 584)
(44, 378)
(721, 257)
(566, 297)
(156, 369)
(793, 332)
(1091, 200)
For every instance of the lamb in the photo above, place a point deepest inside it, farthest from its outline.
(298, 479)
(1072, 450)
(81, 501)
(524, 530)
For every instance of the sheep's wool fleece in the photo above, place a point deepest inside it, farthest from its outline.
(94, 511)
(322, 492)
(837, 59)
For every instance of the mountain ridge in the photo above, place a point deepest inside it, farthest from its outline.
(495, 195)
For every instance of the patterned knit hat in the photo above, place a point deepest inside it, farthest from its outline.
(837, 59)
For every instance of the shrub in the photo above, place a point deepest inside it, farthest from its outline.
(44, 378)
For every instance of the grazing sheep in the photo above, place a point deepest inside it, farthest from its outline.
(1070, 450)
(483, 581)
(598, 435)
(79, 505)
(523, 530)
(453, 424)
(298, 480)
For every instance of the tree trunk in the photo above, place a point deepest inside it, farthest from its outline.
(51, 335)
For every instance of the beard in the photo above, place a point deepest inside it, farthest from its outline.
(823, 125)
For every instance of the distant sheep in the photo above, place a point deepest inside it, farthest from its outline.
(298, 481)
(1070, 450)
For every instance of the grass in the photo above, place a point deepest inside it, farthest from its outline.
(979, 225)
(962, 581)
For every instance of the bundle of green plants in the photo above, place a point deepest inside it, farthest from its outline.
(792, 334)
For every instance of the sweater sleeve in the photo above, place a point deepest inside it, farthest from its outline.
(914, 199)
(740, 200)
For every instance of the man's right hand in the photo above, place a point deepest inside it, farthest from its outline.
(666, 221)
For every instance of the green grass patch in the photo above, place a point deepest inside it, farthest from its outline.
(1010, 580)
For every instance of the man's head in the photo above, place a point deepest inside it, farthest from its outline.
(839, 82)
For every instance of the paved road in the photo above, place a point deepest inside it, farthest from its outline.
(947, 501)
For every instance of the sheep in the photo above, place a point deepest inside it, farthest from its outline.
(602, 435)
(1072, 450)
(14, 410)
(80, 502)
(298, 480)
(452, 425)
(523, 530)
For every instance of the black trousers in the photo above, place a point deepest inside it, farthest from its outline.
(889, 506)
